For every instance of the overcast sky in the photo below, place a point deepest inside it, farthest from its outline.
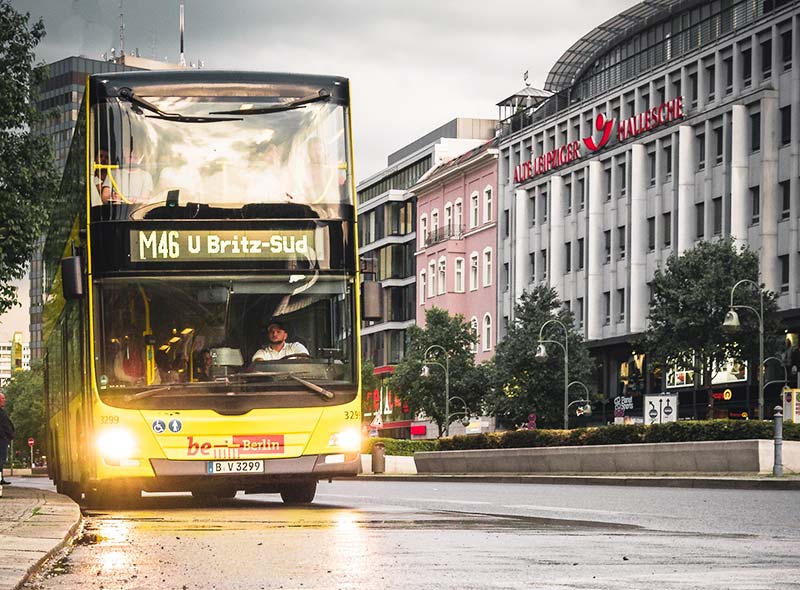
(413, 64)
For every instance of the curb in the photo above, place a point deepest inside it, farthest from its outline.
(654, 481)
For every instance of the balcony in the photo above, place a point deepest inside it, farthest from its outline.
(441, 234)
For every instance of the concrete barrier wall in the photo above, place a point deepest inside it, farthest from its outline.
(394, 464)
(737, 456)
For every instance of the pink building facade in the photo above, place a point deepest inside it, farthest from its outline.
(457, 241)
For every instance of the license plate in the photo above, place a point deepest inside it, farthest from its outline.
(233, 467)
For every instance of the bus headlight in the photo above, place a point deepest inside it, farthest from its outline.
(116, 444)
(349, 440)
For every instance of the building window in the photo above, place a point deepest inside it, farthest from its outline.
(716, 205)
(621, 239)
(442, 275)
(487, 204)
(607, 308)
(693, 88)
(755, 132)
(423, 228)
(668, 161)
(459, 275)
(727, 64)
(421, 288)
(607, 244)
(621, 305)
(755, 204)
(487, 332)
(473, 271)
(667, 220)
(747, 67)
(506, 276)
(700, 210)
(435, 223)
(607, 182)
(786, 50)
(580, 254)
(487, 267)
(784, 261)
(581, 194)
(544, 265)
(448, 219)
(431, 279)
(532, 263)
(532, 210)
(567, 199)
(701, 151)
(711, 77)
(579, 311)
(786, 125)
(458, 218)
(651, 233)
(543, 205)
(786, 200)
(652, 159)
(623, 178)
(568, 257)
(719, 145)
(766, 58)
(474, 210)
(474, 323)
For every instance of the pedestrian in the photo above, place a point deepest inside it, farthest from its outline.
(6, 435)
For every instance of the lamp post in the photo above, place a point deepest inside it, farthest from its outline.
(588, 408)
(732, 325)
(446, 367)
(541, 356)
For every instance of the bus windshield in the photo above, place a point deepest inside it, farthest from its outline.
(154, 152)
(285, 338)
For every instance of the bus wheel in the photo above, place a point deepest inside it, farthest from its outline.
(107, 496)
(299, 493)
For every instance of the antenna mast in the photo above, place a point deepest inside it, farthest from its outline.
(121, 30)
(183, 57)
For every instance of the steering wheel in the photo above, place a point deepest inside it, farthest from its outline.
(296, 355)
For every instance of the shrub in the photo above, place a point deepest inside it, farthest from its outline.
(400, 447)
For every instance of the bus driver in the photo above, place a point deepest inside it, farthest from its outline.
(278, 348)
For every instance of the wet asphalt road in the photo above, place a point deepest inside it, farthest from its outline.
(444, 535)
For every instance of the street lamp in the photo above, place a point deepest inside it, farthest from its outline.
(446, 367)
(541, 356)
(588, 408)
(732, 325)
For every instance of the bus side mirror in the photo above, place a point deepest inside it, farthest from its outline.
(371, 304)
(71, 277)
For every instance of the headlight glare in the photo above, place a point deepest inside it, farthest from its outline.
(348, 440)
(116, 443)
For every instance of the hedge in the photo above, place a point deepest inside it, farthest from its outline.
(684, 431)
(400, 447)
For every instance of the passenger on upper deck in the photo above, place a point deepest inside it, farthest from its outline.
(278, 348)
(130, 183)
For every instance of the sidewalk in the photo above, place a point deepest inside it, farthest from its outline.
(34, 524)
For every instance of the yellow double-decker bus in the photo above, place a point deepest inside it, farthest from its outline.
(201, 316)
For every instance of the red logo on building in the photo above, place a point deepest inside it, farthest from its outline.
(601, 125)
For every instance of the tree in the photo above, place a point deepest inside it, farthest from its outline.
(25, 406)
(27, 176)
(369, 382)
(522, 385)
(426, 395)
(690, 300)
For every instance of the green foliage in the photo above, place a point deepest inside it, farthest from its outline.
(400, 447)
(522, 385)
(684, 431)
(690, 300)
(368, 383)
(27, 178)
(25, 406)
(467, 381)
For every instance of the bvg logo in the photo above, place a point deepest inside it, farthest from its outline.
(601, 125)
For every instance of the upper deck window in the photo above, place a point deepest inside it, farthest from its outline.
(213, 153)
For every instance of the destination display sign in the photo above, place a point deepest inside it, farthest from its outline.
(152, 245)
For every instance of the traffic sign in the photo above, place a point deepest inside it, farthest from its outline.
(31, 442)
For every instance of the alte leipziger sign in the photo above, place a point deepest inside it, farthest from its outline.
(659, 115)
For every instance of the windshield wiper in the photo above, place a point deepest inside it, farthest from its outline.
(128, 95)
(322, 95)
(327, 394)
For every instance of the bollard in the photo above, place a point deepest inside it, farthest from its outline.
(777, 467)
(378, 457)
